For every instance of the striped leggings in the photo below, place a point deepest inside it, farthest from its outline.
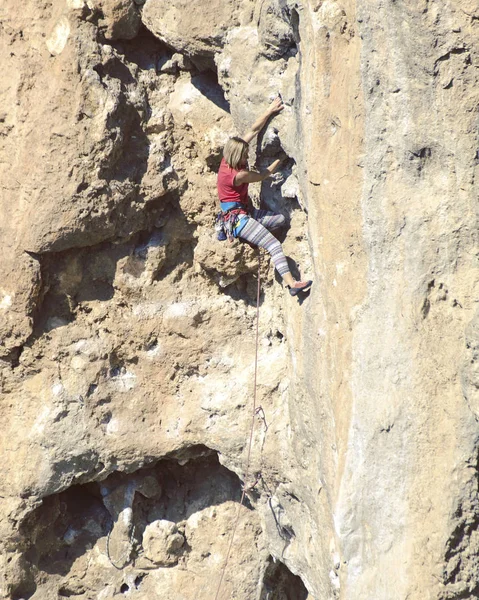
(255, 231)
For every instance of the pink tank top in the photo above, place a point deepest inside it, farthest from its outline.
(227, 191)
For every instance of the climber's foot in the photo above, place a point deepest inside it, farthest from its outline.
(300, 286)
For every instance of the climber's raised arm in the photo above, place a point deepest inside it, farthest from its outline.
(275, 107)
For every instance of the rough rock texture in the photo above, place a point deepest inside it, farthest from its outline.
(127, 331)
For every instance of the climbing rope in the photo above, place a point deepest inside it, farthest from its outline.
(248, 458)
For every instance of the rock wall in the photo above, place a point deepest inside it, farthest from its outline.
(127, 331)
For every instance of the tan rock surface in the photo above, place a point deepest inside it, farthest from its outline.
(193, 27)
(120, 19)
(128, 331)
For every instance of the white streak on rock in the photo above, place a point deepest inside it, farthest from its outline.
(154, 351)
(57, 40)
(6, 302)
(125, 381)
(126, 515)
(178, 309)
(75, 4)
(57, 388)
(147, 310)
(41, 421)
(112, 427)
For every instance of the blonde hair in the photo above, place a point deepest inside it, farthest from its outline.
(233, 151)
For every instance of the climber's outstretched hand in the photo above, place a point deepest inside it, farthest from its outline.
(276, 106)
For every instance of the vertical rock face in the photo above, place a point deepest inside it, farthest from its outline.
(409, 418)
(127, 331)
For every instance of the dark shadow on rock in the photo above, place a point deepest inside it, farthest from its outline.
(244, 289)
(68, 524)
(115, 69)
(177, 234)
(272, 197)
(145, 50)
(266, 149)
(82, 275)
(301, 297)
(192, 487)
(129, 159)
(63, 528)
(280, 584)
(294, 19)
(207, 84)
(72, 277)
(203, 62)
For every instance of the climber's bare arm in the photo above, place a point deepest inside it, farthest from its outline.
(275, 107)
(254, 176)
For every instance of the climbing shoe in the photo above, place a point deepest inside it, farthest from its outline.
(300, 286)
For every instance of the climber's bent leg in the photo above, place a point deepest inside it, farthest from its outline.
(268, 219)
(255, 233)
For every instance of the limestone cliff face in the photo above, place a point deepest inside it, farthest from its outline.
(127, 331)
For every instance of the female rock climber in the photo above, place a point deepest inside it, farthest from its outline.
(252, 224)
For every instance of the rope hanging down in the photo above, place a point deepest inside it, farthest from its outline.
(248, 458)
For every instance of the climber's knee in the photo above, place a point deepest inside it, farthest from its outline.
(275, 248)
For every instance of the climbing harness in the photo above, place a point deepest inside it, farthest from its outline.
(226, 223)
(220, 227)
(246, 487)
